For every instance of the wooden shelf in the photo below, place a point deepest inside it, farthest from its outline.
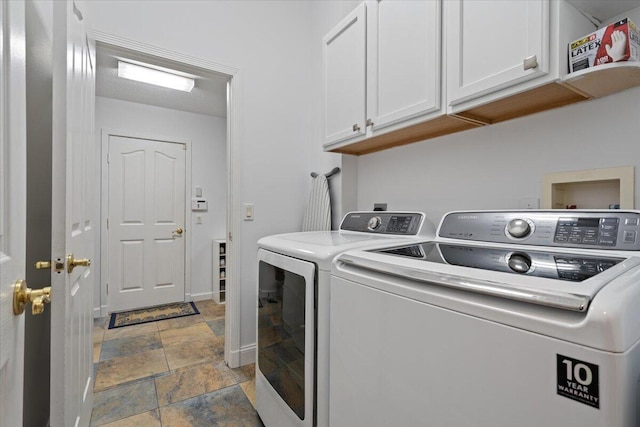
(542, 98)
(440, 126)
(583, 85)
(604, 80)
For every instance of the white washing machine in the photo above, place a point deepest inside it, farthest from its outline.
(292, 368)
(524, 319)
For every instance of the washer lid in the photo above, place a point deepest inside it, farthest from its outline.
(552, 279)
(538, 263)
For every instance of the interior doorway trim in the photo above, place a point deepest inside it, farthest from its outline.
(232, 351)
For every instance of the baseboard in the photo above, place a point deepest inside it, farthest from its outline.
(99, 311)
(245, 356)
(202, 296)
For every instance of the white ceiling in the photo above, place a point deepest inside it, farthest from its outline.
(605, 10)
(209, 95)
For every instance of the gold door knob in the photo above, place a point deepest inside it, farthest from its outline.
(73, 263)
(178, 231)
(23, 295)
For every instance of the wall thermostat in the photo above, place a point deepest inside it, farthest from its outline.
(199, 205)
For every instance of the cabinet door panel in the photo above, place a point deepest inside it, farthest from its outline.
(403, 60)
(344, 78)
(488, 41)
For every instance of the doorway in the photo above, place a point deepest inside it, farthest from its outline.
(198, 253)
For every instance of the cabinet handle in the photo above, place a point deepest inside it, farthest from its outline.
(356, 128)
(530, 62)
(369, 122)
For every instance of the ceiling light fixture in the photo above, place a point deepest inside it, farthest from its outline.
(153, 76)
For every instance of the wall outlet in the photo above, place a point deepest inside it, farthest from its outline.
(529, 203)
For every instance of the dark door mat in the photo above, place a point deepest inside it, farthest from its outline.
(151, 314)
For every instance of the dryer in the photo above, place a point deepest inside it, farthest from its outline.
(292, 366)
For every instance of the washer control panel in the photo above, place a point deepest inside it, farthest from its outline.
(400, 223)
(604, 229)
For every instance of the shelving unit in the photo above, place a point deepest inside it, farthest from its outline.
(219, 270)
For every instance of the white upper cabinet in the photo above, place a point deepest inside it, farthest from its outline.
(345, 78)
(494, 44)
(403, 60)
(381, 67)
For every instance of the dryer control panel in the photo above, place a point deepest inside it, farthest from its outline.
(381, 222)
(606, 229)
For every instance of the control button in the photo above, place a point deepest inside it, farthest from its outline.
(631, 221)
(589, 241)
(561, 239)
(606, 242)
(575, 240)
(520, 263)
(609, 220)
(374, 223)
(518, 228)
(608, 226)
(629, 237)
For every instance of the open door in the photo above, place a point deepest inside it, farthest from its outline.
(73, 170)
(13, 206)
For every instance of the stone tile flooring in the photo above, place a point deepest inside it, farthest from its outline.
(170, 373)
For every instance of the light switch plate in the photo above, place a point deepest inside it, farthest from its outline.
(248, 212)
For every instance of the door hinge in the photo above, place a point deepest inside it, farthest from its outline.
(108, 158)
(107, 289)
(230, 237)
(107, 223)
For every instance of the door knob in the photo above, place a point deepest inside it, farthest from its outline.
(178, 231)
(23, 295)
(73, 263)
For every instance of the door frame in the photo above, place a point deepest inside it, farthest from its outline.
(234, 355)
(104, 208)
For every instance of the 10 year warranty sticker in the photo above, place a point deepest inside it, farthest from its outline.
(578, 380)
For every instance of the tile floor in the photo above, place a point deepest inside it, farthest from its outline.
(170, 373)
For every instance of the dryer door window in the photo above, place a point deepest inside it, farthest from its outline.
(285, 317)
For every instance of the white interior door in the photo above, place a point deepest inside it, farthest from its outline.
(72, 223)
(12, 207)
(146, 222)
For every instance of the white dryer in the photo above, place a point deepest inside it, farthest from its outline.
(292, 366)
(508, 319)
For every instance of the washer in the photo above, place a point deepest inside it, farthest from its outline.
(292, 367)
(507, 319)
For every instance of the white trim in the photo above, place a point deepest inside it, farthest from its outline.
(104, 211)
(202, 296)
(244, 356)
(234, 140)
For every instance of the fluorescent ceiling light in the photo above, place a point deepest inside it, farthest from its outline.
(153, 76)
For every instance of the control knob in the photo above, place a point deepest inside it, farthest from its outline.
(518, 228)
(374, 223)
(520, 263)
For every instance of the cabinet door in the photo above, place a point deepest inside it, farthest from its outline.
(344, 78)
(403, 56)
(488, 42)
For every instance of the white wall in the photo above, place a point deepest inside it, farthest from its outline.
(270, 43)
(207, 135)
(495, 166)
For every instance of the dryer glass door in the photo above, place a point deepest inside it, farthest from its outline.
(285, 329)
